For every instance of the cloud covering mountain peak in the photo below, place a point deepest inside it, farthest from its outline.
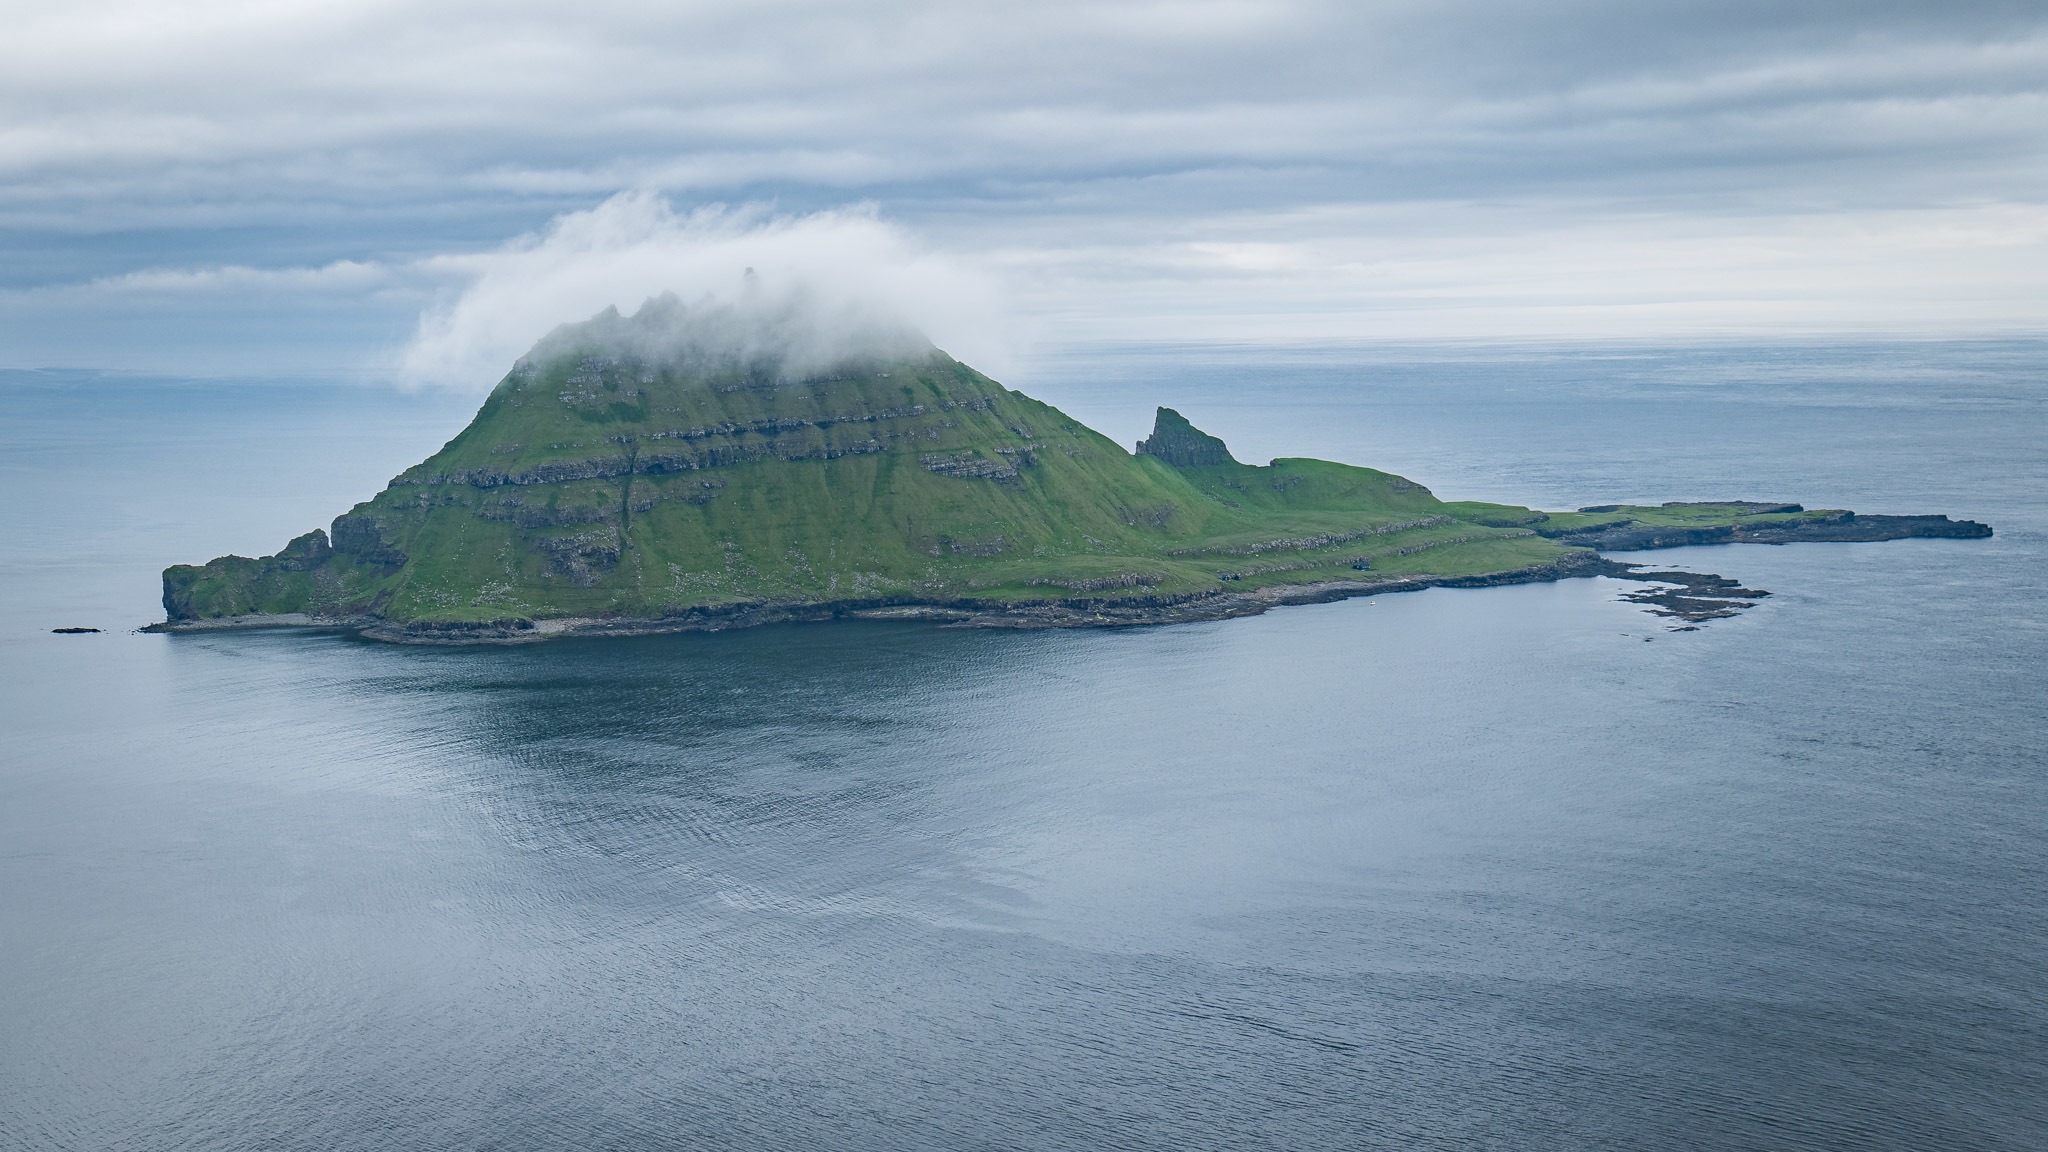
(802, 290)
(793, 331)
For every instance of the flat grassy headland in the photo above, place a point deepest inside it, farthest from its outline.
(622, 479)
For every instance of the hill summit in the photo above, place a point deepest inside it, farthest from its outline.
(718, 465)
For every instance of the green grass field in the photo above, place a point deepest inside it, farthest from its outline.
(596, 484)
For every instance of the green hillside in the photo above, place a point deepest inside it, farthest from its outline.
(629, 470)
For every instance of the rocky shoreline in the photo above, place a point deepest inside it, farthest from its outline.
(1833, 528)
(580, 500)
(1690, 597)
(1697, 597)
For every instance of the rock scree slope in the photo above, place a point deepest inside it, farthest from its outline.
(690, 468)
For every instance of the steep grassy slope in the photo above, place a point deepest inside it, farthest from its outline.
(601, 482)
(645, 469)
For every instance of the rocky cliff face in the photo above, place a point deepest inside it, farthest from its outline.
(672, 462)
(672, 468)
(1181, 444)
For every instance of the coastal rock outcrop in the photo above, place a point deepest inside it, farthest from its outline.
(1181, 444)
(1759, 523)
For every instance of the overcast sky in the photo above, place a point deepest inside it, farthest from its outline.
(308, 186)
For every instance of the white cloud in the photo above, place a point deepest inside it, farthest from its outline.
(340, 276)
(1134, 168)
(1332, 273)
(635, 246)
(350, 100)
(1507, 270)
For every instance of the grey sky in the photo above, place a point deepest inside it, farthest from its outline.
(285, 186)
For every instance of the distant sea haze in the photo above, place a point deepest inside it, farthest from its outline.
(1501, 868)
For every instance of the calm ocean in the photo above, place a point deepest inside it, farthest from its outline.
(1509, 868)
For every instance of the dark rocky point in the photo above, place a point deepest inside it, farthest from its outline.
(1181, 444)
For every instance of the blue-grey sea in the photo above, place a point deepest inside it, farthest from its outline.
(1513, 868)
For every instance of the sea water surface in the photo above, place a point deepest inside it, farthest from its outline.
(1511, 868)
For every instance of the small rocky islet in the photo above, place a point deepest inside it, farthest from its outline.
(706, 467)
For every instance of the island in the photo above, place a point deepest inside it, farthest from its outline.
(657, 473)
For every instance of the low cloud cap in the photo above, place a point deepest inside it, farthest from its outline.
(805, 290)
(792, 332)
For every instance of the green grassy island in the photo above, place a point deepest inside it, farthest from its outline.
(662, 472)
